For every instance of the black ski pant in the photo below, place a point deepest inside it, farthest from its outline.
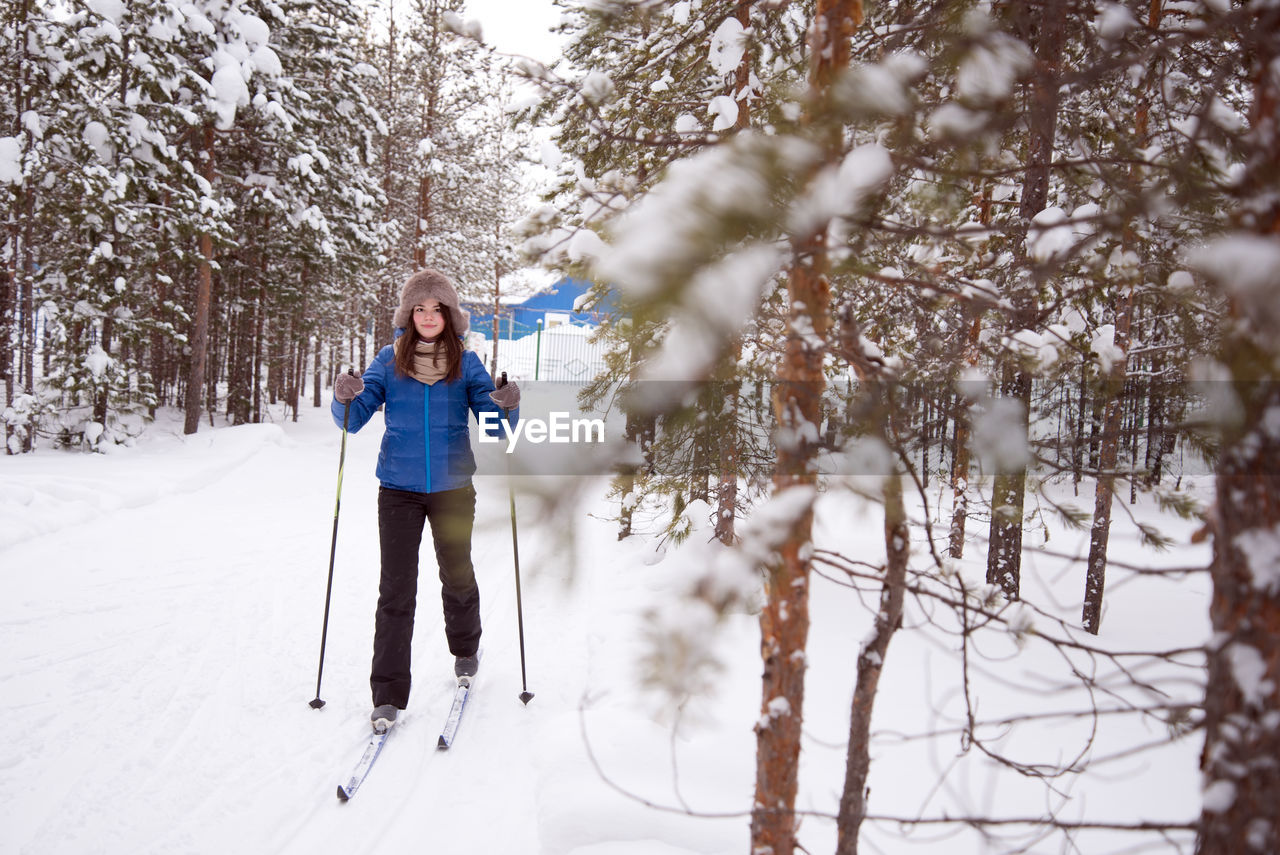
(401, 515)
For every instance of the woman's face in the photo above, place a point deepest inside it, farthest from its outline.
(428, 319)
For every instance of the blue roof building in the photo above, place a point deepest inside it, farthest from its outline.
(554, 307)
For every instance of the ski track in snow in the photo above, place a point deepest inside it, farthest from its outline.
(159, 629)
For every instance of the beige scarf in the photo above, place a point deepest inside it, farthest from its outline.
(429, 362)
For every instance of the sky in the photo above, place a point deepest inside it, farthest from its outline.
(518, 26)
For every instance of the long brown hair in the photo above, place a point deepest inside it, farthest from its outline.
(452, 345)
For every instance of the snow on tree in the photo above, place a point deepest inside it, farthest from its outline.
(1242, 695)
(211, 185)
(451, 162)
(1028, 219)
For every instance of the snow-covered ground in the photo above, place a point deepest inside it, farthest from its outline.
(160, 622)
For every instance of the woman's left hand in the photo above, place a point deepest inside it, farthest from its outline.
(507, 397)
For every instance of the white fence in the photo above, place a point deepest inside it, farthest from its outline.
(562, 354)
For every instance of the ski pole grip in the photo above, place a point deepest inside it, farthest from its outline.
(502, 381)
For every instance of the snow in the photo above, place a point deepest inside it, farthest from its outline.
(265, 60)
(1114, 21)
(1181, 282)
(659, 236)
(97, 138)
(725, 109)
(160, 627)
(1219, 796)
(111, 10)
(880, 88)
(31, 122)
(550, 155)
(989, 72)
(1261, 548)
(1249, 671)
(686, 123)
(597, 88)
(98, 361)
(253, 30)
(10, 160)
(1104, 347)
(840, 191)
(229, 91)
(999, 435)
(1248, 268)
(585, 244)
(1050, 235)
(715, 306)
(728, 45)
(954, 121)
(196, 22)
(1042, 347)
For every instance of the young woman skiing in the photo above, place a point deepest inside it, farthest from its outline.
(428, 382)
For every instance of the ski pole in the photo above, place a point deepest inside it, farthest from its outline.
(525, 694)
(333, 548)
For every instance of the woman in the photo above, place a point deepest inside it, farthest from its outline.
(428, 382)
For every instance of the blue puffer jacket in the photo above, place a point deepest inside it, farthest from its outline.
(426, 447)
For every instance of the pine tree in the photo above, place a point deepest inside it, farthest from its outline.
(657, 85)
(1242, 695)
(449, 161)
(31, 54)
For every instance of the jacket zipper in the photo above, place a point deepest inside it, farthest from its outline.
(426, 431)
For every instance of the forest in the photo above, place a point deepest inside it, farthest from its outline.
(984, 252)
(205, 202)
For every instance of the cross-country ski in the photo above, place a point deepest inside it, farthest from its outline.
(372, 749)
(450, 729)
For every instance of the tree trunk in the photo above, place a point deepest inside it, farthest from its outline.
(1044, 28)
(729, 454)
(386, 289)
(315, 377)
(784, 620)
(28, 219)
(204, 288)
(427, 131)
(1100, 533)
(853, 802)
(9, 287)
(1242, 739)
(6, 339)
(497, 320)
(297, 358)
(1156, 422)
(259, 339)
(960, 454)
(1242, 697)
(240, 360)
(1108, 455)
(102, 388)
(8, 324)
(1008, 500)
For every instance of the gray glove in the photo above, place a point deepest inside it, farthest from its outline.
(346, 387)
(507, 397)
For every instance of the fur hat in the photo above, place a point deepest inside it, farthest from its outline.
(428, 284)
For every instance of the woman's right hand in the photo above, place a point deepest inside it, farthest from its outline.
(346, 387)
